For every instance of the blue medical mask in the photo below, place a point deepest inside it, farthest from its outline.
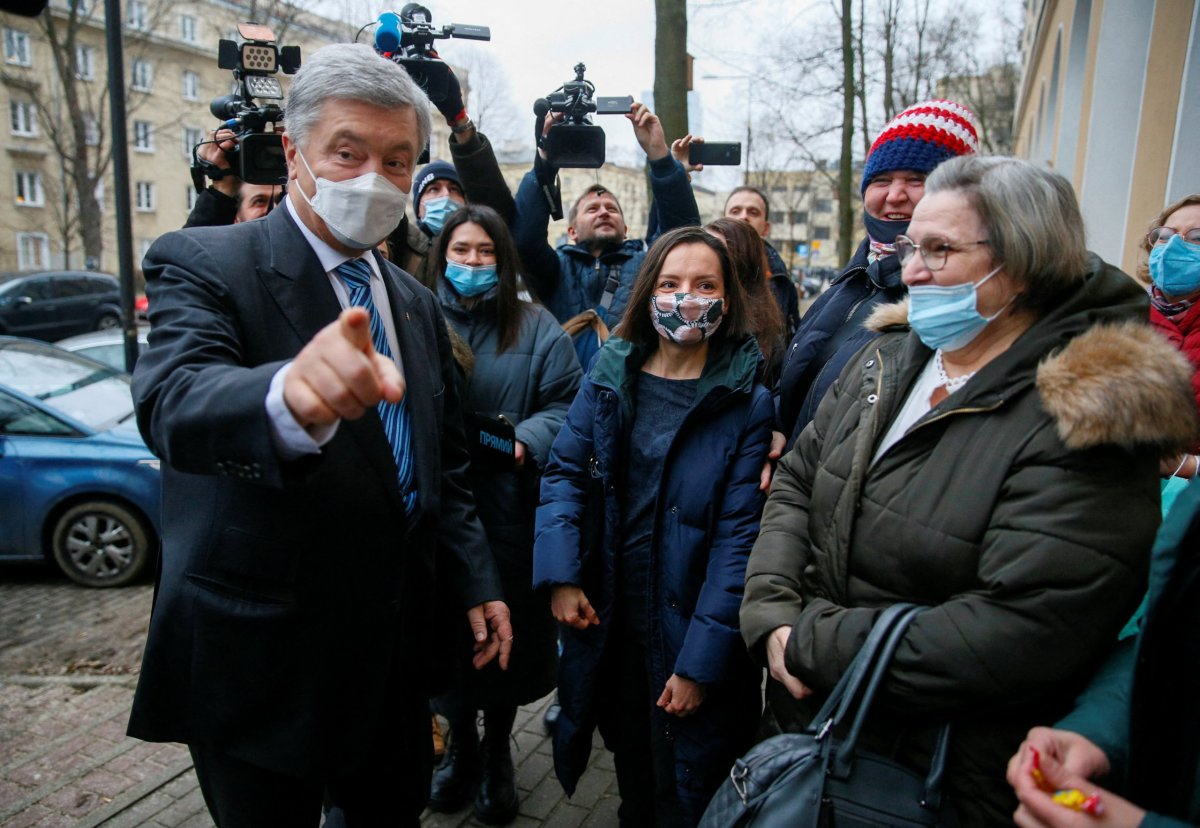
(1175, 266)
(948, 317)
(437, 210)
(470, 281)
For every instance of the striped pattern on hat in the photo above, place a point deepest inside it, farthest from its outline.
(921, 137)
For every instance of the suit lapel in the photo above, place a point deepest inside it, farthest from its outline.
(301, 290)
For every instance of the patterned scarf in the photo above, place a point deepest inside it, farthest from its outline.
(1166, 307)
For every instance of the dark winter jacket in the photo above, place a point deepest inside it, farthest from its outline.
(571, 280)
(707, 519)
(409, 246)
(830, 333)
(1140, 709)
(531, 384)
(1021, 510)
(212, 209)
(784, 291)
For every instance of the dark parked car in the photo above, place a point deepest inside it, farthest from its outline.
(77, 484)
(55, 304)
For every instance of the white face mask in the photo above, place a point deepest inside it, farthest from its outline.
(359, 212)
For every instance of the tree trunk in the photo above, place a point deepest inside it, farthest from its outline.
(670, 67)
(845, 167)
(862, 78)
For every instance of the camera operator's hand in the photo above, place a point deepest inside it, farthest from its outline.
(679, 149)
(453, 108)
(550, 120)
(213, 150)
(649, 132)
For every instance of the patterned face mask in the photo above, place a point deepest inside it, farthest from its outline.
(685, 318)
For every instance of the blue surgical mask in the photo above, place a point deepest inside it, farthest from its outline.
(470, 281)
(437, 210)
(948, 317)
(1175, 267)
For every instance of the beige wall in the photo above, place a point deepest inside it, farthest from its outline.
(1114, 108)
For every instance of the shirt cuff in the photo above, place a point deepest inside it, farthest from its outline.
(292, 441)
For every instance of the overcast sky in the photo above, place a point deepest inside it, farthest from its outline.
(538, 42)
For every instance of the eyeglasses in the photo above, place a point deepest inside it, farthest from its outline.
(1162, 235)
(934, 250)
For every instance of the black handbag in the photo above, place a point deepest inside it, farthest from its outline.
(817, 778)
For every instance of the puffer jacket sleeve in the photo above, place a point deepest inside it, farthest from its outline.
(1062, 565)
(713, 641)
(556, 546)
(773, 596)
(674, 200)
(540, 264)
(557, 386)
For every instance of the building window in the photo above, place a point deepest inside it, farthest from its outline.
(101, 195)
(91, 131)
(145, 196)
(33, 251)
(143, 76)
(820, 233)
(23, 118)
(85, 63)
(143, 136)
(137, 15)
(823, 205)
(187, 28)
(800, 217)
(191, 85)
(17, 49)
(191, 137)
(29, 189)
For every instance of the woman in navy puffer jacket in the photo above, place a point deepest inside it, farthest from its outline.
(650, 505)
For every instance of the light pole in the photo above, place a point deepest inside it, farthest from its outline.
(749, 79)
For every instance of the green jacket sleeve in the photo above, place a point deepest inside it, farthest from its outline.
(1102, 711)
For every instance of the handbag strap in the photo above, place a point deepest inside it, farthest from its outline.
(840, 700)
(844, 754)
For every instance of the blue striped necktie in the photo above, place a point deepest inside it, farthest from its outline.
(356, 275)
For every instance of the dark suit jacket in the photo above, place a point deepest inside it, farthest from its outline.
(288, 589)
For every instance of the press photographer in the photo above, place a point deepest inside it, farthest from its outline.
(243, 158)
(595, 270)
(474, 176)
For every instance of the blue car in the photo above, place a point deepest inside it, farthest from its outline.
(77, 484)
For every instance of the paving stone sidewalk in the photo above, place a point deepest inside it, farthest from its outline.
(68, 664)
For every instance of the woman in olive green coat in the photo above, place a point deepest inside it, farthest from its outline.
(998, 464)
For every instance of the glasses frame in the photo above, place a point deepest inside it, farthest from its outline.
(943, 253)
(1153, 241)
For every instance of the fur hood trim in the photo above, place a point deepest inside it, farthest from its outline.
(1122, 384)
(888, 317)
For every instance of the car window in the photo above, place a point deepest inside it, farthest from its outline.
(95, 285)
(68, 286)
(37, 289)
(91, 394)
(19, 417)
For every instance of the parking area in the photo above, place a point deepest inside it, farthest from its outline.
(69, 658)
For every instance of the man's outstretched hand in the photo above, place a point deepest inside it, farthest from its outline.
(338, 375)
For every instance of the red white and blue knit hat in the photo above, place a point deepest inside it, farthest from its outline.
(921, 137)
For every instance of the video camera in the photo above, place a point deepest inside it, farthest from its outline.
(258, 157)
(407, 38)
(576, 142)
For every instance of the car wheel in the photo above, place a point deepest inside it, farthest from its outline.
(100, 544)
(108, 321)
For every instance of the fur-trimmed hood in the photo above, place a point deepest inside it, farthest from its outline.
(1116, 383)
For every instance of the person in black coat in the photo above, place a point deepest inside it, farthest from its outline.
(522, 381)
(315, 502)
(893, 182)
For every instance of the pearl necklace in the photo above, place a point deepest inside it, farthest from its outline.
(951, 384)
